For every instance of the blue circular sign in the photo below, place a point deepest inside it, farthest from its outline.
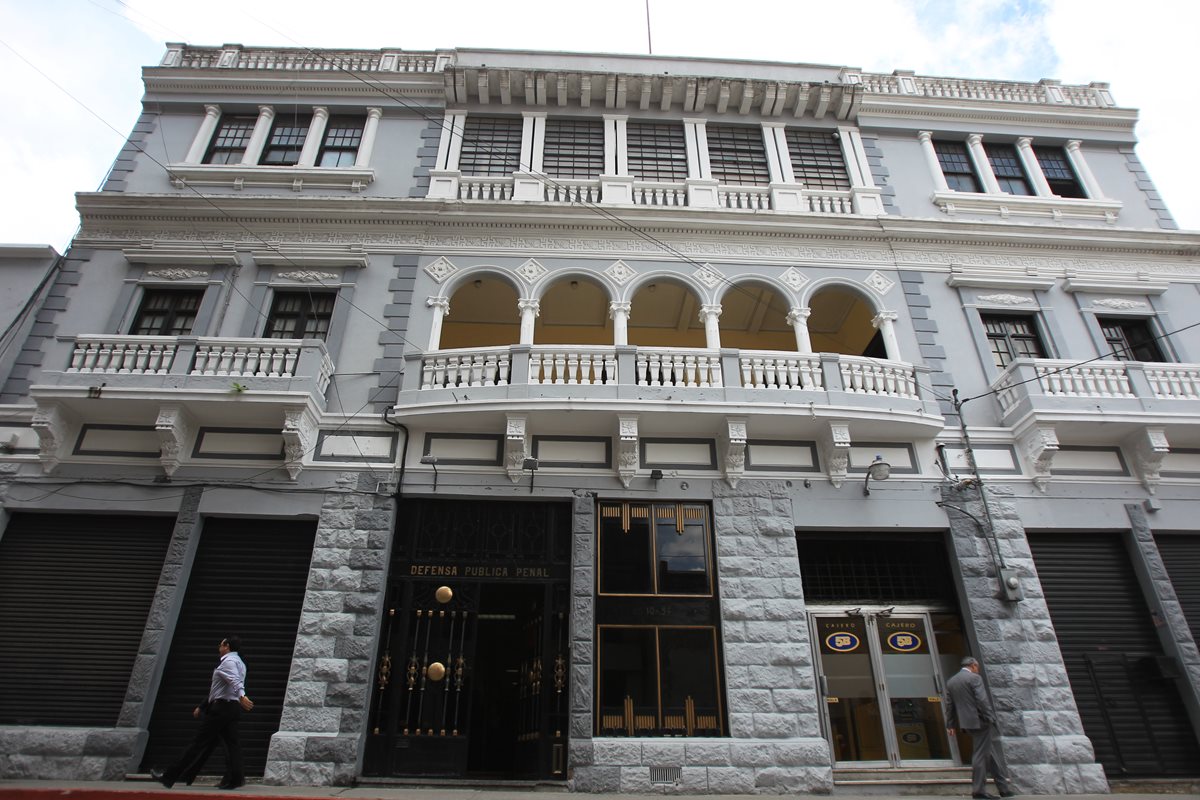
(904, 641)
(842, 641)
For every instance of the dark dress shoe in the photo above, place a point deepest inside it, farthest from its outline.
(228, 786)
(986, 797)
(1009, 793)
(157, 774)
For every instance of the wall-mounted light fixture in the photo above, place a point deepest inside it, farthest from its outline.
(879, 470)
(530, 464)
(656, 475)
(431, 461)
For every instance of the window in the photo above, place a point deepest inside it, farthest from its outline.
(658, 666)
(300, 315)
(1012, 337)
(574, 148)
(285, 143)
(166, 313)
(817, 160)
(656, 151)
(1059, 174)
(229, 142)
(491, 146)
(1007, 168)
(342, 138)
(956, 166)
(1130, 339)
(737, 156)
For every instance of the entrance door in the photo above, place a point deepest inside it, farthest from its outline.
(881, 679)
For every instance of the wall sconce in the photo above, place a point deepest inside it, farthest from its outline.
(530, 464)
(879, 470)
(431, 461)
(656, 475)
(94, 391)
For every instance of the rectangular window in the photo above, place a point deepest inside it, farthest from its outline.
(491, 146)
(573, 148)
(817, 160)
(285, 142)
(340, 147)
(737, 156)
(166, 313)
(1012, 337)
(1006, 166)
(1130, 339)
(956, 166)
(656, 151)
(654, 549)
(229, 143)
(300, 315)
(1059, 174)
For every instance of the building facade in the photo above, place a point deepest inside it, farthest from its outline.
(635, 423)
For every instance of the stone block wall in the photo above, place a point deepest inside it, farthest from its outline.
(325, 709)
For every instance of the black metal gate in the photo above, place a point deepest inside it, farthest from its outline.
(1124, 685)
(248, 579)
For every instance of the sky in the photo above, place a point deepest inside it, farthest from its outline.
(72, 68)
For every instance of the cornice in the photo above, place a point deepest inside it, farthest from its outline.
(926, 112)
(208, 85)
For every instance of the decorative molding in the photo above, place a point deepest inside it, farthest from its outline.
(240, 176)
(1120, 303)
(879, 282)
(531, 270)
(620, 272)
(314, 256)
(176, 274)
(708, 275)
(627, 449)
(299, 435)
(1005, 299)
(733, 441)
(1142, 286)
(998, 280)
(836, 452)
(1150, 447)
(308, 276)
(174, 427)
(440, 270)
(50, 423)
(1008, 206)
(794, 279)
(187, 255)
(1040, 444)
(516, 445)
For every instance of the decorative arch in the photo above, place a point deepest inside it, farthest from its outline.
(573, 308)
(480, 272)
(664, 311)
(840, 319)
(754, 315)
(483, 310)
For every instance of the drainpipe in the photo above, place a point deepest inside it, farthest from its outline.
(403, 452)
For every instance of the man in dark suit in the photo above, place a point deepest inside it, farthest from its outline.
(969, 708)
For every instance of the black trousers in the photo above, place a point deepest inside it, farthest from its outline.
(218, 724)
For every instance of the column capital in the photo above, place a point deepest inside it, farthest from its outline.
(266, 111)
(212, 110)
(884, 317)
(619, 307)
(442, 303)
(320, 111)
(709, 310)
(1024, 141)
(529, 304)
(374, 112)
(975, 139)
(925, 137)
(1073, 145)
(797, 314)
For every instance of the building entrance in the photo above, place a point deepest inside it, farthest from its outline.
(881, 679)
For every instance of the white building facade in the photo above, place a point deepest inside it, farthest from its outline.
(631, 423)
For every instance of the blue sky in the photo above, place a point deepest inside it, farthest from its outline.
(52, 147)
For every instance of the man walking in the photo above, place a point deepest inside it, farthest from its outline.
(218, 716)
(968, 707)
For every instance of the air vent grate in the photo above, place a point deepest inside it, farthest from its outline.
(665, 775)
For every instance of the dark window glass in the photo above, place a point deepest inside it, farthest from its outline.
(656, 151)
(625, 566)
(491, 146)
(688, 677)
(737, 156)
(956, 166)
(1006, 166)
(1059, 174)
(1130, 339)
(627, 674)
(817, 160)
(681, 545)
(1012, 337)
(668, 557)
(340, 147)
(300, 315)
(229, 143)
(166, 313)
(285, 142)
(573, 148)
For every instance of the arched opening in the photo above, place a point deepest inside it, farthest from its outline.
(665, 313)
(483, 313)
(574, 311)
(841, 323)
(754, 317)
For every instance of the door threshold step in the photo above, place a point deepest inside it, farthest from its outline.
(900, 781)
(529, 785)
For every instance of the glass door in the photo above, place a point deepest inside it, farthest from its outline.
(881, 679)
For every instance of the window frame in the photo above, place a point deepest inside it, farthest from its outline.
(818, 161)
(1035, 335)
(491, 146)
(1121, 347)
(341, 148)
(573, 148)
(957, 172)
(737, 152)
(232, 149)
(1008, 169)
(286, 138)
(1060, 176)
(656, 152)
(303, 315)
(171, 313)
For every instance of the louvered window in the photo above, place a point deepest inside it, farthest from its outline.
(817, 160)
(737, 156)
(656, 151)
(574, 148)
(491, 146)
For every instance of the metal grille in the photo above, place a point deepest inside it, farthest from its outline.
(491, 146)
(574, 148)
(656, 151)
(956, 166)
(1057, 169)
(665, 775)
(874, 568)
(737, 156)
(817, 160)
(1007, 168)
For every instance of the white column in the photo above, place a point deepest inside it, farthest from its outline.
(619, 313)
(440, 307)
(312, 140)
(779, 160)
(695, 134)
(931, 160)
(885, 322)
(450, 142)
(533, 141)
(857, 166)
(709, 315)
(212, 115)
(258, 139)
(616, 145)
(1083, 170)
(798, 318)
(370, 130)
(529, 312)
(1032, 168)
(983, 167)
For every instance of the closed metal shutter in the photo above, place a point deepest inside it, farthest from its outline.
(74, 594)
(248, 580)
(1127, 699)
(1181, 555)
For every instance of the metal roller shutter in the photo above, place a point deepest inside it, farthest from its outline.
(248, 580)
(74, 594)
(1123, 688)
(1181, 555)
